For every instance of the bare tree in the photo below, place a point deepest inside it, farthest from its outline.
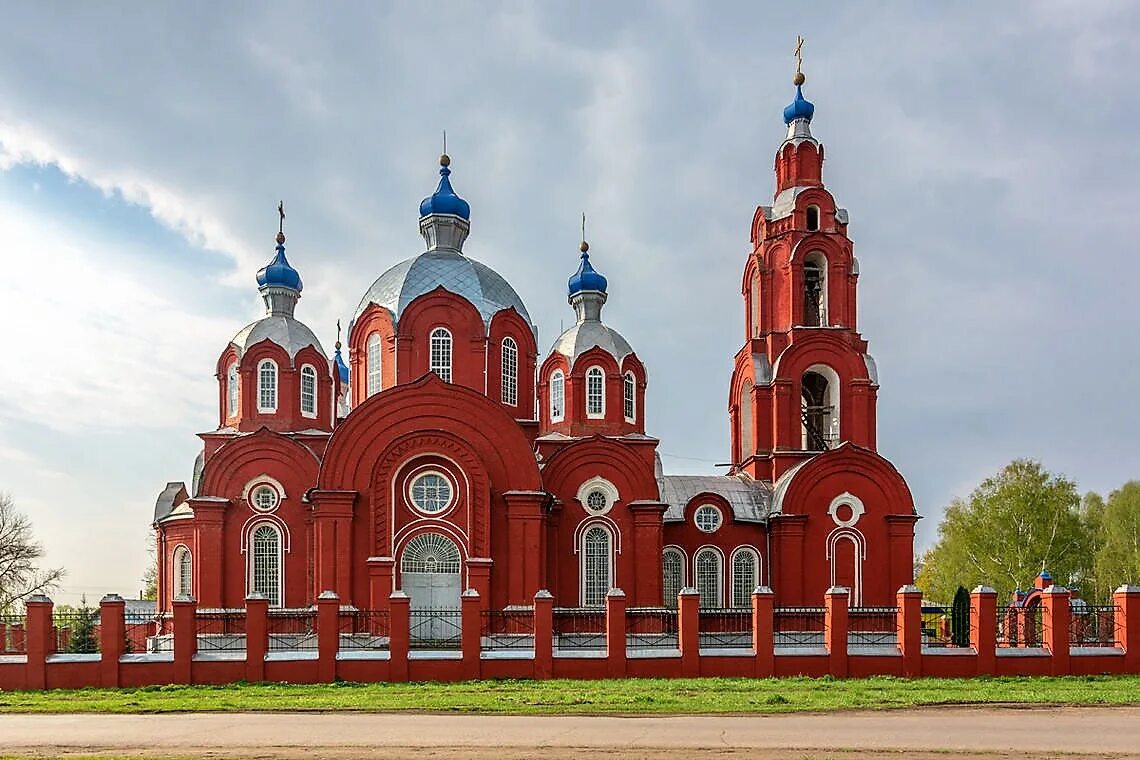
(20, 575)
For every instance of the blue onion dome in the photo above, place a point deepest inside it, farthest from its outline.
(800, 108)
(279, 272)
(444, 200)
(341, 367)
(586, 278)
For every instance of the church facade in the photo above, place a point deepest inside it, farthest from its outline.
(443, 449)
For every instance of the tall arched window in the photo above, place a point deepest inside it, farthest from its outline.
(375, 378)
(755, 308)
(441, 353)
(745, 576)
(629, 397)
(708, 577)
(595, 392)
(265, 564)
(183, 572)
(672, 576)
(815, 290)
(557, 396)
(819, 391)
(232, 390)
(267, 386)
(510, 372)
(308, 391)
(813, 218)
(747, 445)
(597, 571)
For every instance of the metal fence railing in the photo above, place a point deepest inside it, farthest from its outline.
(799, 626)
(220, 631)
(435, 628)
(507, 630)
(1094, 626)
(292, 630)
(76, 631)
(941, 629)
(141, 634)
(579, 628)
(651, 628)
(729, 628)
(1020, 627)
(872, 626)
(13, 634)
(365, 630)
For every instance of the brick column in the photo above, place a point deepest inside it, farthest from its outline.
(399, 635)
(1127, 601)
(1055, 625)
(185, 638)
(983, 628)
(256, 636)
(763, 636)
(328, 635)
(689, 631)
(332, 536)
(835, 625)
(543, 634)
(615, 633)
(908, 621)
(471, 632)
(647, 546)
(380, 571)
(41, 639)
(112, 638)
(524, 530)
(209, 513)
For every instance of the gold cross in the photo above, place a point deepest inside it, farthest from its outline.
(798, 54)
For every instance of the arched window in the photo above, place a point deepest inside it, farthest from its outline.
(183, 572)
(308, 391)
(747, 445)
(430, 553)
(672, 576)
(846, 550)
(595, 392)
(815, 290)
(813, 218)
(597, 561)
(441, 353)
(510, 372)
(375, 378)
(629, 397)
(745, 576)
(265, 564)
(232, 390)
(820, 409)
(755, 307)
(708, 577)
(557, 396)
(267, 386)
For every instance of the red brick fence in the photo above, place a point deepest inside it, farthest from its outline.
(329, 642)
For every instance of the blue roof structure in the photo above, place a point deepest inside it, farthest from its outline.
(800, 108)
(279, 272)
(444, 200)
(341, 367)
(586, 278)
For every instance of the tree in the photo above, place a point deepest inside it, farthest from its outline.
(150, 575)
(80, 623)
(20, 575)
(1118, 539)
(1014, 525)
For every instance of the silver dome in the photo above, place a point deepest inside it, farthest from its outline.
(282, 330)
(584, 335)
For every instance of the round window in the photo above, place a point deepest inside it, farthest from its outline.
(596, 501)
(264, 498)
(431, 492)
(707, 518)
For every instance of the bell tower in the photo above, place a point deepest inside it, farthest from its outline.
(803, 381)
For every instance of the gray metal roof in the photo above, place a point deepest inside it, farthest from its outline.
(478, 283)
(285, 331)
(750, 499)
(584, 335)
(171, 496)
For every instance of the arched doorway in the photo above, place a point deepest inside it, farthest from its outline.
(430, 576)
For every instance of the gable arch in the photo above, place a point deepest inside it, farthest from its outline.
(271, 453)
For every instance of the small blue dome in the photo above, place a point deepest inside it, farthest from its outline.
(586, 278)
(800, 108)
(341, 367)
(444, 200)
(278, 272)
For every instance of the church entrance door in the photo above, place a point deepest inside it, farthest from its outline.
(430, 576)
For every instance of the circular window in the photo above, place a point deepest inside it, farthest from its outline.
(707, 518)
(431, 492)
(264, 498)
(596, 501)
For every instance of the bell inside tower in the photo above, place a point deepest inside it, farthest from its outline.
(818, 412)
(815, 291)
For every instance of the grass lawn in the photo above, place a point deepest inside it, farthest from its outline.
(629, 696)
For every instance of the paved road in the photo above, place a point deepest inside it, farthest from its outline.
(1085, 732)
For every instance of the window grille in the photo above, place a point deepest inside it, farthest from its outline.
(430, 553)
(267, 386)
(630, 397)
(431, 492)
(232, 390)
(673, 576)
(707, 518)
(308, 390)
(183, 572)
(510, 372)
(596, 501)
(744, 577)
(708, 577)
(265, 498)
(266, 558)
(595, 392)
(441, 354)
(595, 567)
(375, 379)
(557, 396)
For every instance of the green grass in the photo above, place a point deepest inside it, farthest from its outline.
(627, 696)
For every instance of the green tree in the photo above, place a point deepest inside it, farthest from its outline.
(1118, 540)
(81, 624)
(1012, 526)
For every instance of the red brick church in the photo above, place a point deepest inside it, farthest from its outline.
(449, 454)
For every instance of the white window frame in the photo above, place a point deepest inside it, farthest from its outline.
(255, 503)
(276, 592)
(750, 584)
(420, 475)
(373, 359)
(587, 595)
(670, 600)
(717, 594)
(510, 372)
(265, 390)
(597, 484)
(706, 508)
(557, 396)
(629, 396)
(232, 389)
(440, 362)
(309, 372)
(595, 375)
(180, 585)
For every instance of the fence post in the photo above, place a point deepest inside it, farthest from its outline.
(908, 623)
(1055, 627)
(1127, 600)
(470, 622)
(399, 635)
(689, 631)
(835, 625)
(185, 638)
(543, 634)
(615, 633)
(328, 635)
(983, 628)
(256, 636)
(112, 638)
(763, 625)
(40, 641)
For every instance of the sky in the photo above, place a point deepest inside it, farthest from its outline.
(989, 163)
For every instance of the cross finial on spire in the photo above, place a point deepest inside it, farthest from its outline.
(585, 246)
(338, 334)
(281, 223)
(799, 77)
